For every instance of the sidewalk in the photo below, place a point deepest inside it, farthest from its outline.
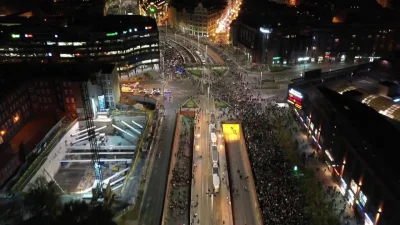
(341, 208)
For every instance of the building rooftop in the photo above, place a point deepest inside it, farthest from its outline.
(375, 129)
(81, 22)
(15, 73)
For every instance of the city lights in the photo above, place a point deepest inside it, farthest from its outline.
(226, 19)
(112, 34)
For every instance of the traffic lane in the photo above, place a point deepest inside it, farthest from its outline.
(242, 205)
(205, 185)
(153, 202)
(211, 53)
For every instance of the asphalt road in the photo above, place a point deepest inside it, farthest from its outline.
(243, 208)
(153, 198)
(152, 204)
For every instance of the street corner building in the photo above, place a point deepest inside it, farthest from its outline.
(351, 116)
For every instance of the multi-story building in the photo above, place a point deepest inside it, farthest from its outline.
(199, 20)
(70, 7)
(38, 90)
(131, 42)
(334, 42)
(9, 162)
(354, 140)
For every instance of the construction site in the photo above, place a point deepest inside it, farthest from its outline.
(70, 164)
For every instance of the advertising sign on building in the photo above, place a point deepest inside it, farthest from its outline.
(353, 186)
(295, 98)
(363, 199)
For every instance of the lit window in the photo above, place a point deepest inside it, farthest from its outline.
(16, 118)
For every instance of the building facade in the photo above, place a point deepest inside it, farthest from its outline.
(53, 90)
(336, 43)
(344, 133)
(199, 20)
(131, 42)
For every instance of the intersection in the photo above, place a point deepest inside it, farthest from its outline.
(235, 201)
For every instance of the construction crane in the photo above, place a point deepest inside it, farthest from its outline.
(94, 148)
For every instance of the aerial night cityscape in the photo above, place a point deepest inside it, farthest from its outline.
(208, 112)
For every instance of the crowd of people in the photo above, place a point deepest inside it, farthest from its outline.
(181, 178)
(281, 202)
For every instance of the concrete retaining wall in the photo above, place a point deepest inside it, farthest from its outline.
(143, 99)
(52, 163)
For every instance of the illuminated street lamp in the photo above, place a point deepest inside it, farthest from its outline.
(3, 132)
(265, 32)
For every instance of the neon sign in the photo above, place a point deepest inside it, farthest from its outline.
(295, 98)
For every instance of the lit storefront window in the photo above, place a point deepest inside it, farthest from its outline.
(343, 186)
(368, 220)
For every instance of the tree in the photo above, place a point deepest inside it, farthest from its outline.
(80, 213)
(42, 198)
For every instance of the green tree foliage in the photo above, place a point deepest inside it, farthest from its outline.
(80, 213)
(42, 203)
(320, 210)
(42, 197)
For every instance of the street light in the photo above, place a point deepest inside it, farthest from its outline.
(305, 61)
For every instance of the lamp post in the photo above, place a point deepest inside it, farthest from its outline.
(305, 60)
(205, 57)
(166, 28)
(198, 41)
(260, 79)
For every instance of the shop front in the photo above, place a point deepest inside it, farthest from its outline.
(330, 160)
(351, 193)
(361, 202)
(343, 186)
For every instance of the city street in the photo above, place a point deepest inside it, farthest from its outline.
(202, 183)
(153, 198)
(245, 209)
(236, 196)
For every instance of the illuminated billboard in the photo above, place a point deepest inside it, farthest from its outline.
(102, 103)
(265, 30)
(295, 98)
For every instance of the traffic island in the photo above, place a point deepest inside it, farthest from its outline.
(220, 72)
(190, 104)
(196, 73)
(177, 198)
(221, 104)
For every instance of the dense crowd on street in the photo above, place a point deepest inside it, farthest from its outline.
(280, 200)
(181, 178)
